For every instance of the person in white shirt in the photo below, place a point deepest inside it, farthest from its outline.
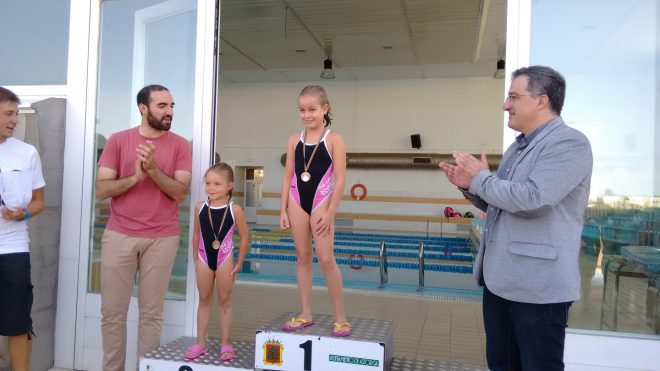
(20, 169)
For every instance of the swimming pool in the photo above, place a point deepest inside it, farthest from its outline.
(448, 262)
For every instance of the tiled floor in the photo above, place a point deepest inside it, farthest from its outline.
(444, 330)
(428, 328)
(439, 329)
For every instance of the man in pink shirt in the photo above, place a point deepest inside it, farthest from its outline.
(146, 171)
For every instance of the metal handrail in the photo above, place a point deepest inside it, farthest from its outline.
(420, 287)
(382, 258)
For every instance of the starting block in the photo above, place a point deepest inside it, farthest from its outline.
(370, 346)
(169, 357)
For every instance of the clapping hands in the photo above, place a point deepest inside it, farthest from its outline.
(466, 168)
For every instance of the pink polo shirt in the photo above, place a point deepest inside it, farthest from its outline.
(145, 210)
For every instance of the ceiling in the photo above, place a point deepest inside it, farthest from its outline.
(287, 40)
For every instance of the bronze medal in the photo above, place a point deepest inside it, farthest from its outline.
(216, 243)
(306, 176)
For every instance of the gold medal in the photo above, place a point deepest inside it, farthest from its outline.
(216, 245)
(305, 176)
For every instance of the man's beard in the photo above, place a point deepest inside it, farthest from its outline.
(159, 124)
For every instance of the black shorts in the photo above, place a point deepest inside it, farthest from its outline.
(15, 294)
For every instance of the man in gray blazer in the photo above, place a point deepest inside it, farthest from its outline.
(528, 261)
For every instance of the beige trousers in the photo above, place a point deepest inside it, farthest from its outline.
(121, 257)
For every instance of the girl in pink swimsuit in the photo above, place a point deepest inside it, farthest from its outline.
(215, 223)
(313, 185)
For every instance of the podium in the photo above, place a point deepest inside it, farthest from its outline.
(170, 357)
(368, 348)
(370, 345)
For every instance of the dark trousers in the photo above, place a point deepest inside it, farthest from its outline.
(524, 336)
(15, 294)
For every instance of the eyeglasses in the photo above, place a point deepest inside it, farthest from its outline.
(514, 97)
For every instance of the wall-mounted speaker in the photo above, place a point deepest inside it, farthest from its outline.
(416, 141)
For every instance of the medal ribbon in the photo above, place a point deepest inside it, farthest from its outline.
(316, 146)
(222, 222)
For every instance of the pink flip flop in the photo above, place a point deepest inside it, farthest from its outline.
(194, 351)
(227, 353)
(341, 329)
(296, 324)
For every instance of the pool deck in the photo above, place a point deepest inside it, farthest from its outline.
(425, 327)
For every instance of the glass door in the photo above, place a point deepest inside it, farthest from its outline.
(157, 48)
(117, 47)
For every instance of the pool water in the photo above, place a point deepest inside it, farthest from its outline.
(448, 262)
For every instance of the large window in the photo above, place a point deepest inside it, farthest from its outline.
(35, 42)
(144, 42)
(608, 52)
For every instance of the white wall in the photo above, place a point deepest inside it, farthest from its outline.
(608, 351)
(255, 120)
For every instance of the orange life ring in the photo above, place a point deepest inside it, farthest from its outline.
(362, 194)
(355, 261)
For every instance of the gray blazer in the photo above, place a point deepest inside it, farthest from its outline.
(532, 251)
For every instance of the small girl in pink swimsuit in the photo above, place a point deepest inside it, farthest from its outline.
(217, 219)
